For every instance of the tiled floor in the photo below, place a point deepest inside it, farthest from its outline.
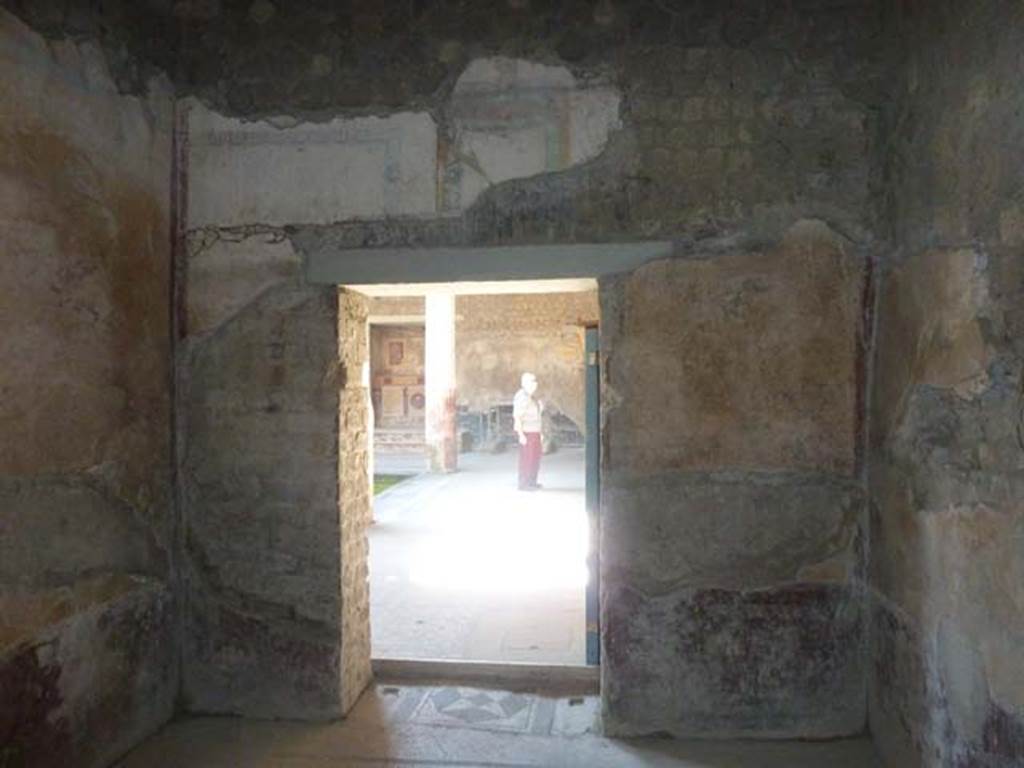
(467, 567)
(399, 725)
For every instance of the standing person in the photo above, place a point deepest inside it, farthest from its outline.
(526, 417)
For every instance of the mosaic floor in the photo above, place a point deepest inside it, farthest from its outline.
(457, 726)
(482, 709)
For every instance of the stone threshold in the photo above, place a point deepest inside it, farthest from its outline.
(564, 679)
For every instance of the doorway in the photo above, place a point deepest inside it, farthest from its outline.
(463, 565)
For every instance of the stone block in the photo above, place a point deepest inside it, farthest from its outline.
(785, 662)
(356, 503)
(670, 531)
(96, 674)
(52, 531)
(927, 707)
(930, 331)
(260, 485)
(226, 273)
(250, 661)
(741, 361)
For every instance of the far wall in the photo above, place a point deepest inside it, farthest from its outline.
(498, 337)
(396, 375)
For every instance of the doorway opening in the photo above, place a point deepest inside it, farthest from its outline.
(466, 565)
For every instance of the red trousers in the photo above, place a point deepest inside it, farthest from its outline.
(529, 460)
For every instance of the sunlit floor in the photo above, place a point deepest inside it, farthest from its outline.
(451, 725)
(465, 566)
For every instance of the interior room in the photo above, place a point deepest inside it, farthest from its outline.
(800, 227)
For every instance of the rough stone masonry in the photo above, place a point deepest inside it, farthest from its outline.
(811, 508)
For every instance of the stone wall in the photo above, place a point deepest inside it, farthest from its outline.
(947, 458)
(355, 495)
(88, 630)
(272, 374)
(718, 127)
(273, 423)
(498, 337)
(733, 515)
(693, 123)
(715, 124)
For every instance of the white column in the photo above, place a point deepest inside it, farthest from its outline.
(439, 384)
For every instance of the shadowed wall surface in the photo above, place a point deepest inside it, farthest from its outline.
(88, 637)
(733, 531)
(947, 460)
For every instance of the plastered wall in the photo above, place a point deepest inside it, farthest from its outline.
(273, 420)
(88, 630)
(947, 525)
(497, 338)
(893, 126)
(262, 531)
(751, 338)
(733, 532)
(743, 132)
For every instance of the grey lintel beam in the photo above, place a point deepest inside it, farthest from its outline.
(375, 266)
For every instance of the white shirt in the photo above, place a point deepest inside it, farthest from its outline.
(526, 412)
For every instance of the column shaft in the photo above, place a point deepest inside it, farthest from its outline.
(441, 422)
